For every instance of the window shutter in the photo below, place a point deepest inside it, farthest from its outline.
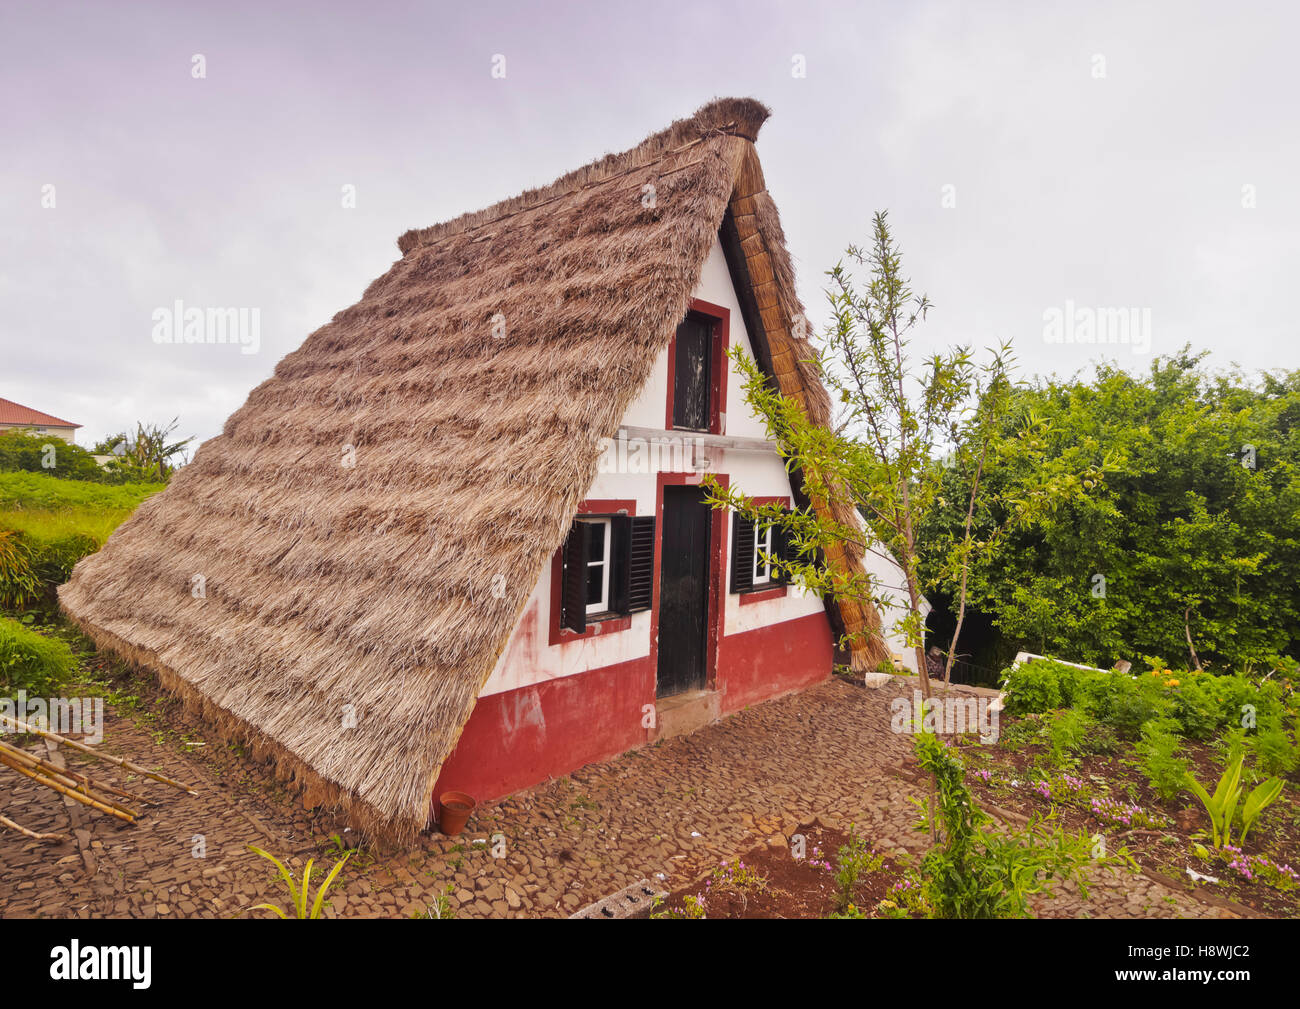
(573, 589)
(742, 553)
(634, 563)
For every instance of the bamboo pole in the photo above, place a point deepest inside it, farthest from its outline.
(82, 780)
(103, 806)
(35, 835)
(21, 726)
(63, 777)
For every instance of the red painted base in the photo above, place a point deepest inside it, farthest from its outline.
(519, 738)
(774, 660)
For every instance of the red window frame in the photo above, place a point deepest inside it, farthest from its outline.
(611, 624)
(721, 319)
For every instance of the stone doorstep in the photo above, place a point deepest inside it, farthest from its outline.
(683, 713)
(635, 901)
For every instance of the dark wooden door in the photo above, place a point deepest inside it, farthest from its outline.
(683, 591)
(692, 374)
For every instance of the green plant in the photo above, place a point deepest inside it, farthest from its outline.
(1021, 733)
(1157, 758)
(31, 661)
(976, 873)
(298, 894)
(692, 907)
(906, 899)
(1222, 805)
(856, 859)
(19, 586)
(1067, 735)
(736, 878)
(892, 414)
(1272, 749)
(441, 908)
(1260, 798)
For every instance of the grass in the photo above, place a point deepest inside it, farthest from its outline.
(31, 661)
(38, 491)
(48, 524)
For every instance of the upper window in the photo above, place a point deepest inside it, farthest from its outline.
(693, 374)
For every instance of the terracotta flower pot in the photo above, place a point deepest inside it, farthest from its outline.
(456, 808)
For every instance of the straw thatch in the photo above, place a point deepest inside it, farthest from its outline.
(369, 525)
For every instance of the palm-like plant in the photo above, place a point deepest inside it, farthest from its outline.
(299, 894)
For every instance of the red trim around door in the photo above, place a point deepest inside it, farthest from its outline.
(717, 571)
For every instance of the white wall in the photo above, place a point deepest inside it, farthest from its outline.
(528, 658)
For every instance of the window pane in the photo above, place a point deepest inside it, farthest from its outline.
(596, 550)
(762, 546)
(595, 583)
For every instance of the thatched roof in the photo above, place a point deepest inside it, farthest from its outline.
(375, 585)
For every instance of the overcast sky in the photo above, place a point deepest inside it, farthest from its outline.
(1126, 155)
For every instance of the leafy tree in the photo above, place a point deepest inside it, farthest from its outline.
(151, 455)
(25, 450)
(1191, 546)
(894, 416)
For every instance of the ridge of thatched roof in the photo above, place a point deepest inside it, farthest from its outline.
(368, 527)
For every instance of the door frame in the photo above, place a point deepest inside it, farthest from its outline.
(717, 571)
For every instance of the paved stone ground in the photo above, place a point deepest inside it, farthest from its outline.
(668, 811)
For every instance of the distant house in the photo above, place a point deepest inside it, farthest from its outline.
(459, 541)
(15, 415)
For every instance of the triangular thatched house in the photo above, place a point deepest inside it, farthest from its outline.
(456, 540)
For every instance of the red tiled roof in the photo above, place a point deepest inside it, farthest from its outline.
(16, 413)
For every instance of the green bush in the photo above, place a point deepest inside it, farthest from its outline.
(1067, 734)
(1272, 750)
(31, 661)
(1200, 705)
(22, 450)
(1158, 760)
(1125, 702)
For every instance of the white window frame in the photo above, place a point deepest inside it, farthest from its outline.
(763, 544)
(602, 605)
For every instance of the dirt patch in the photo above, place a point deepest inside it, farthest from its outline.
(791, 887)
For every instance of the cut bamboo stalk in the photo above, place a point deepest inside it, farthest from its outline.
(59, 777)
(34, 835)
(72, 793)
(21, 726)
(76, 776)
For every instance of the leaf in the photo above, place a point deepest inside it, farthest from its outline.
(306, 888)
(329, 880)
(1256, 802)
(284, 873)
